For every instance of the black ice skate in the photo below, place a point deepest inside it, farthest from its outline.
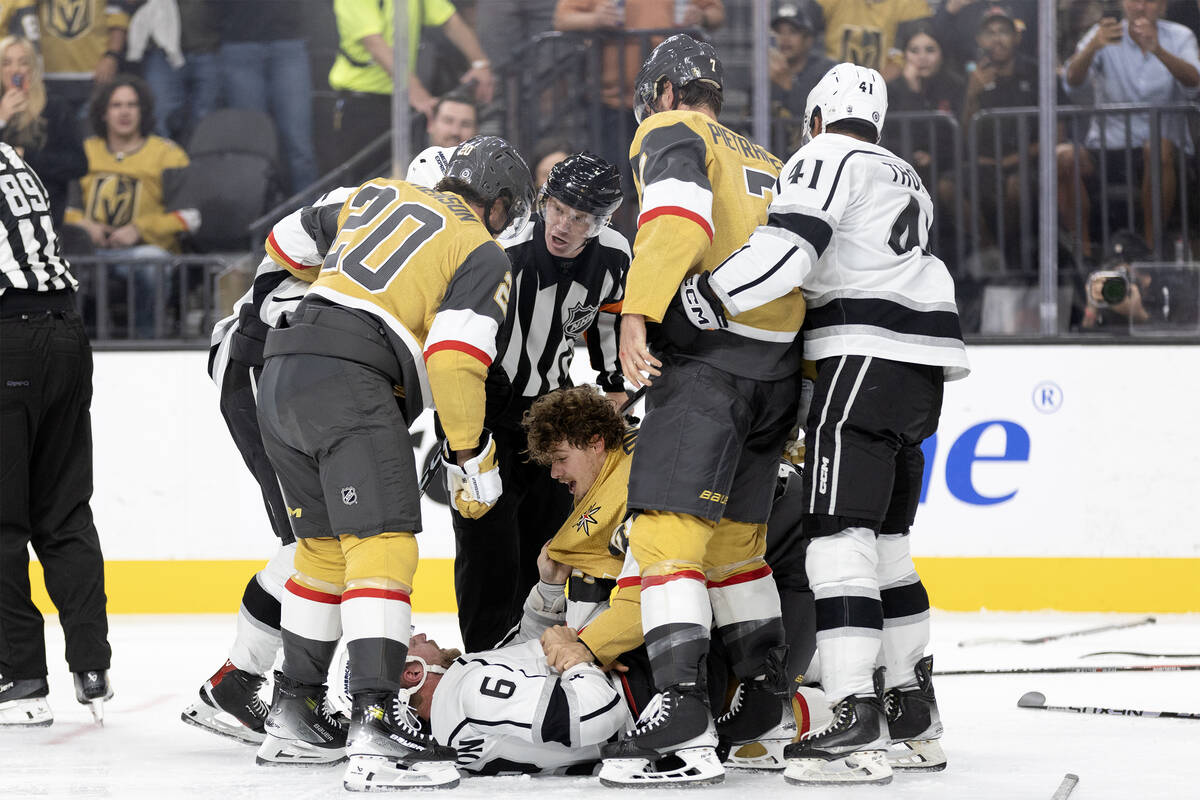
(759, 716)
(92, 689)
(23, 702)
(300, 728)
(230, 706)
(674, 742)
(389, 749)
(852, 749)
(915, 724)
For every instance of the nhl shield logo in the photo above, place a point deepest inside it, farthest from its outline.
(349, 495)
(578, 318)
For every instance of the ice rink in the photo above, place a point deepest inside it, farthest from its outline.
(995, 749)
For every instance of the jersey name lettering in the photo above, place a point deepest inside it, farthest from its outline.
(740, 144)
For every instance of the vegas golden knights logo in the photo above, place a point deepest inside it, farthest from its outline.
(69, 19)
(114, 200)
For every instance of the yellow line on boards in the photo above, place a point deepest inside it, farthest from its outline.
(1150, 585)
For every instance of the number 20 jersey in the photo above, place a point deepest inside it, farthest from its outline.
(422, 263)
(850, 225)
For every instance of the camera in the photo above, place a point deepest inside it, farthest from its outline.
(1107, 288)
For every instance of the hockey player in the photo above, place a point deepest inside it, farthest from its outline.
(229, 702)
(568, 271)
(850, 226)
(719, 409)
(403, 314)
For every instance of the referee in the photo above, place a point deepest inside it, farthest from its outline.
(568, 272)
(46, 475)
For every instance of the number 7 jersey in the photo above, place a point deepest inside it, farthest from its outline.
(850, 226)
(422, 263)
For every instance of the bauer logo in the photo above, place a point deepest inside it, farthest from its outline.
(993, 446)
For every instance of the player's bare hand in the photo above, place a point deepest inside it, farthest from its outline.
(549, 570)
(615, 666)
(638, 364)
(569, 655)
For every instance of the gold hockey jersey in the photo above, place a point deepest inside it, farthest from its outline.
(864, 31)
(703, 190)
(423, 264)
(75, 34)
(119, 191)
(582, 543)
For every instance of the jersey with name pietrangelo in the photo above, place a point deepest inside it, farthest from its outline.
(703, 190)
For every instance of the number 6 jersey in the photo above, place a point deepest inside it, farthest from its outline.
(850, 226)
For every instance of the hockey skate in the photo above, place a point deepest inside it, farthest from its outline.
(230, 706)
(92, 689)
(674, 742)
(759, 722)
(389, 749)
(300, 729)
(810, 711)
(852, 749)
(915, 724)
(23, 702)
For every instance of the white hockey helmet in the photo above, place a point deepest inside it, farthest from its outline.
(429, 166)
(848, 91)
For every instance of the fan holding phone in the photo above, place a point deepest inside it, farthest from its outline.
(39, 126)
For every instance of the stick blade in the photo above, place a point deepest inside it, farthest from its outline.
(1032, 700)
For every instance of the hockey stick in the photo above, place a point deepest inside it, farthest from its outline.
(1066, 787)
(1038, 700)
(1053, 670)
(1139, 654)
(1053, 637)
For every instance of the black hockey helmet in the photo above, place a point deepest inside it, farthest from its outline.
(492, 169)
(680, 60)
(587, 183)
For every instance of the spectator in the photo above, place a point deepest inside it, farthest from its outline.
(1002, 78)
(265, 67)
(795, 70)
(177, 42)
(546, 153)
(865, 33)
(82, 43)
(123, 209)
(927, 84)
(40, 127)
(454, 120)
(20, 19)
(506, 24)
(1142, 59)
(362, 72)
(957, 21)
(46, 482)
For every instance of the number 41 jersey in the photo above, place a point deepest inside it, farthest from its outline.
(422, 263)
(850, 226)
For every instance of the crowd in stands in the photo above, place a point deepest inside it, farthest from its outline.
(322, 70)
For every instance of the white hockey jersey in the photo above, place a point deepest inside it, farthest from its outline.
(849, 224)
(274, 291)
(506, 711)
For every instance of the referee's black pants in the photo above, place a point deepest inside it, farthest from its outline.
(495, 562)
(46, 485)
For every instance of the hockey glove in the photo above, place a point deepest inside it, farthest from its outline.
(475, 486)
(700, 303)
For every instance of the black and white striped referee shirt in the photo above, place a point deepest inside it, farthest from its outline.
(29, 252)
(554, 301)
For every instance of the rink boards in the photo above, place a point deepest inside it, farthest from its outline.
(1062, 477)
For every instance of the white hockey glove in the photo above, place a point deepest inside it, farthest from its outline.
(700, 303)
(475, 486)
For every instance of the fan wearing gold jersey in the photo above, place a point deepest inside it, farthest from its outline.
(720, 406)
(402, 315)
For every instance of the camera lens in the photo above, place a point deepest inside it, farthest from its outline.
(1113, 290)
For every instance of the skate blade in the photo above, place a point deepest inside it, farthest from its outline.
(379, 773)
(866, 767)
(766, 754)
(29, 712)
(276, 752)
(207, 718)
(97, 707)
(918, 755)
(692, 766)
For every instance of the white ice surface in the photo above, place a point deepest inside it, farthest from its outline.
(995, 749)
